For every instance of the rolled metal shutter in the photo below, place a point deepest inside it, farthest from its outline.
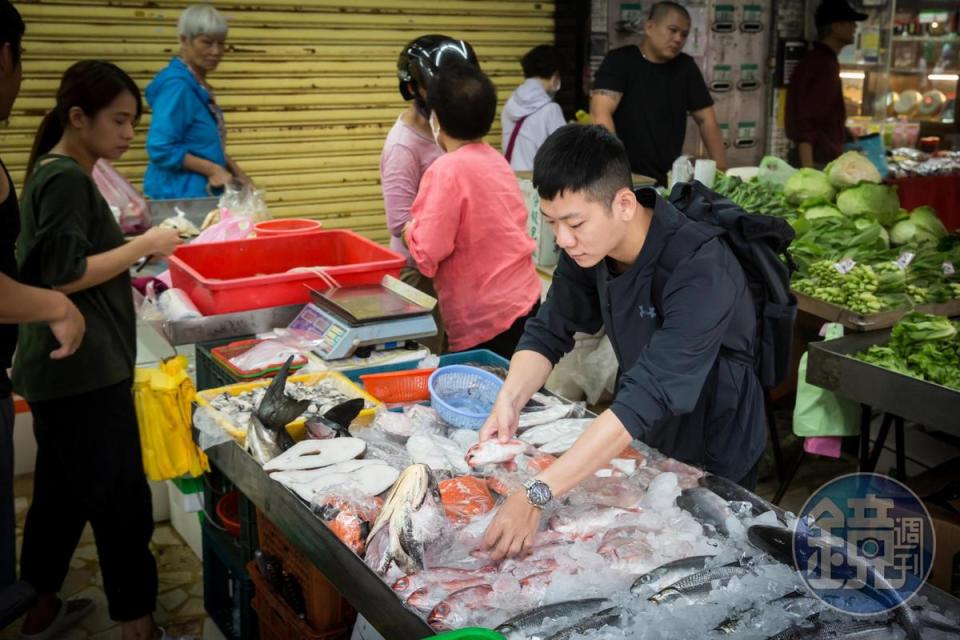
(309, 89)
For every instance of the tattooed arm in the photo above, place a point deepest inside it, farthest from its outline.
(603, 102)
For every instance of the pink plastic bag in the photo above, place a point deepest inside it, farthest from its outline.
(126, 202)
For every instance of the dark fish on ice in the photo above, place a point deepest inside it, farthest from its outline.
(733, 492)
(335, 422)
(527, 624)
(702, 583)
(267, 436)
(707, 507)
(611, 617)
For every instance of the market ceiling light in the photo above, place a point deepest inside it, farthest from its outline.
(853, 75)
(949, 77)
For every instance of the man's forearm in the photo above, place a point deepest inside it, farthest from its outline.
(713, 140)
(22, 303)
(602, 441)
(528, 373)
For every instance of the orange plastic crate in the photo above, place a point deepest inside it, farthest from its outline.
(398, 386)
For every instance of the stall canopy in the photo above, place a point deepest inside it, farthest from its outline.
(309, 88)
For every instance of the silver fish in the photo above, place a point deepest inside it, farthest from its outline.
(796, 602)
(843, 629)
(707, 507)
(528, 625)
(542, 415)
(410, 517)
(701, 583)
(778, 542)
(608, 617)
(667, 574)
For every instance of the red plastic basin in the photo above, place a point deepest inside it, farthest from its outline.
(254, 273)
(286, 227)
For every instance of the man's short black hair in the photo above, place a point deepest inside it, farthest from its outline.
(661, 10)
(464, 100)
(541, 62)
(11, 28)
(583, 158)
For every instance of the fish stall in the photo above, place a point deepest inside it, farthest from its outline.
(391, 503)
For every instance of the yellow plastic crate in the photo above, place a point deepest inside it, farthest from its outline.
(297, 427)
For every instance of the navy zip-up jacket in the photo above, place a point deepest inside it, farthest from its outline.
(680, 387)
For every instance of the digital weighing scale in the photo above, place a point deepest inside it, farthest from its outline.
(359, 320)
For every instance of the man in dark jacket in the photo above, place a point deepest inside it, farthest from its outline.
(816, 116)
(681, 389)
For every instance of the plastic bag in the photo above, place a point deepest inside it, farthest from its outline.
(163, 397)
(128, 206)
(819, 412)
(176, 305)
(245, 202)
(774, 172)
(266, 354)
(349, 515)
(465, 497)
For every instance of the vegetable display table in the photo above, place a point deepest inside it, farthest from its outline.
(832, 366)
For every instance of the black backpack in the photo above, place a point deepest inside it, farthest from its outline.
(760, 244)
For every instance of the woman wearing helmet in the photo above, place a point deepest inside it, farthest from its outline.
(410, 148)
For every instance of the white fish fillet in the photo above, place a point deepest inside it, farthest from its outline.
(370, 480)
(306, 476)
(549, 414)
(437, 452)
(312, 454)
(544, 433)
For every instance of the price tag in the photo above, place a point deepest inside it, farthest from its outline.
(845, 266)
(948, 269)
(904, 260)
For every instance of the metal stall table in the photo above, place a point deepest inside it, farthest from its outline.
(900, 397)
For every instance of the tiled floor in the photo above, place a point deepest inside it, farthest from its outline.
(179, 605)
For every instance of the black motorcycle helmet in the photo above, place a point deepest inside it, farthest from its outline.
(421, 59)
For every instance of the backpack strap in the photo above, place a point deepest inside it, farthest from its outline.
(508, 154)
(684, 242)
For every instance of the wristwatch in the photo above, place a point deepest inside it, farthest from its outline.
(538, 493)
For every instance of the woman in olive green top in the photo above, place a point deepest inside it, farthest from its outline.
(89, 466)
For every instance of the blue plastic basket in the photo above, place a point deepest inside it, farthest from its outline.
(463, 396)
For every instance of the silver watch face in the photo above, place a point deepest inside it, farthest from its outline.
(539, 494)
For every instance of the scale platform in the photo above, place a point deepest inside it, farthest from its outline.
(356, 320)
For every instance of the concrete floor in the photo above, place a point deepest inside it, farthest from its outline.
(180, 601)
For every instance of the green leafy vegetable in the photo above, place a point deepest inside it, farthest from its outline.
(851, 169)
(922, 346)
(808, 188)
(877, 201)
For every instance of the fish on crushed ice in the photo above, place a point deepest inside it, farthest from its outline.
(836, 630)
(410, 583)
(458, 608)
(313, 454)
(701, 583)
(411, 516)
(426, 598)
(605, 618)
(526, 624)
(707, 507)
(589, 521)
(535, 416)
(441, 454)
(667, 574)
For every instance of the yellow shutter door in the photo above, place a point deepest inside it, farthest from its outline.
(309, 89)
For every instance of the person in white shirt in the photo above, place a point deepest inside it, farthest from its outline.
(530, 114)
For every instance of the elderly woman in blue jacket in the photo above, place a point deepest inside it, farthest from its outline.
(187, 140)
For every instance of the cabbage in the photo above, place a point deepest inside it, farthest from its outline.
(909, 232)
(875, 200)
(822, 211)
(926, 218)
(808, 187)
(851, 169)
(774, 172)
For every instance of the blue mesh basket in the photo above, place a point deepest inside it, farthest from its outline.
(463, 396)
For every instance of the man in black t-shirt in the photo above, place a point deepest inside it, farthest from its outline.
(644, 93)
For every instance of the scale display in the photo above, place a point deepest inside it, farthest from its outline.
(362, 319)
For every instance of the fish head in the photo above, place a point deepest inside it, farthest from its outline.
(440, 617)
(419, 598)
(667, 595)
(776, 541)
